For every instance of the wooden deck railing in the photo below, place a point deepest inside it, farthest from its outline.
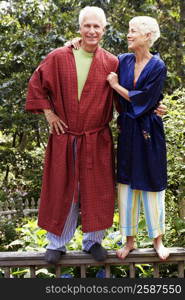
(12, 209)
(35, 261)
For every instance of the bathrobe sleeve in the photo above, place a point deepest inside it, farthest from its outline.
(146, 98)
(39, 87)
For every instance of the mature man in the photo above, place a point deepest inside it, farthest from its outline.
(70, 87)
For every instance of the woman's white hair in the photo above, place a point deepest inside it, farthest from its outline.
(145, 25)
(95, 10)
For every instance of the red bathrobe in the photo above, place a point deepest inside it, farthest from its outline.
(54, 85)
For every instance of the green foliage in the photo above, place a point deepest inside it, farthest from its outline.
(28, 31)
(175, 138)
(31, 237)
(7, 233)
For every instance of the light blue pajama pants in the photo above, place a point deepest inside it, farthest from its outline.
(58, 242)
(129, 201)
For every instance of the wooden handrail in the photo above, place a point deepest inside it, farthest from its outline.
(142, 255)
(79, 258)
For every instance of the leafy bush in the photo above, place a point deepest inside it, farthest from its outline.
(174, 123)
(28, 31)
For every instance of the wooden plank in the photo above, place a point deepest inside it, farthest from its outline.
(156, 270)
(132, 270)
(32, 272)
(181, 269)
(58, 271)
(13, 259)
(107, 271)
(137, 253)
(7, 272)
(87, 261)
(83, 271)
(36, 259)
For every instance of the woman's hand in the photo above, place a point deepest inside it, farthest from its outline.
(161, 110)
(76, 43)
(112, 78)
(54, 122)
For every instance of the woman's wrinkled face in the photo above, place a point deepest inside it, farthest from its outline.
(135, 38)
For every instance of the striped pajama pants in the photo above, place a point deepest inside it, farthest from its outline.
(129, 201)
(58, 242)
(90, 238)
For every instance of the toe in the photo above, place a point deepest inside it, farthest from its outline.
(162, 252)
(122, 253)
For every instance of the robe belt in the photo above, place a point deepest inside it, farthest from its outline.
(89, 152)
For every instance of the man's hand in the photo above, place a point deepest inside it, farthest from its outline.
(54, 122)
(161, 110)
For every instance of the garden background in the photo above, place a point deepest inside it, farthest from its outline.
(28, 31)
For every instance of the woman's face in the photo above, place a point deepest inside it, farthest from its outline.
(135, 38)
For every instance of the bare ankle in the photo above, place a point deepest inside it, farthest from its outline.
(130, 242)
(158, 241)
(130, 245)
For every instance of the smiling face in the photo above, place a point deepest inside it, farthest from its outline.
(91, 31)
(136, 39)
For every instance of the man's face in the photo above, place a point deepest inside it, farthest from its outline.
(91, 30)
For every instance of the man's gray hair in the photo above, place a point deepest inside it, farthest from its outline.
(145, 25)
(95, 10)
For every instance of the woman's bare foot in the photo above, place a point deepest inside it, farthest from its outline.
(129, 246)
(162, 251)
(123, 252)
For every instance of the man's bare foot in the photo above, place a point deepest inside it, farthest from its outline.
(162, 251)
(123, 252)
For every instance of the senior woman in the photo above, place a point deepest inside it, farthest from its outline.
(141, 169)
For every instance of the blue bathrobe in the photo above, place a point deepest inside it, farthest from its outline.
(141, 156)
